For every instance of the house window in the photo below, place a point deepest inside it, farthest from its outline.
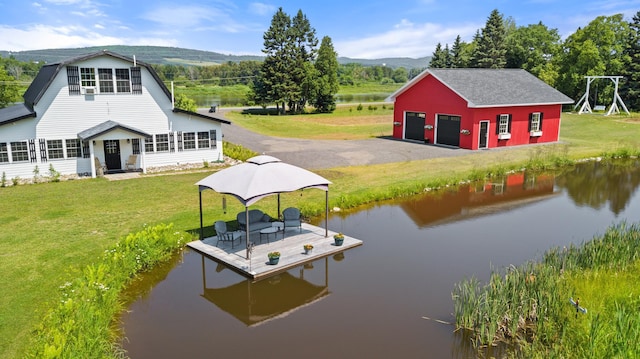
(135, 144)
(54, 148)
(4, 152)
(87, 77)
(122, 80)
(162, 142)
(189, 140)
(106, 80)
(73, 148)
(148, 144)
(503, 125)
(203, 139)
(19, 151)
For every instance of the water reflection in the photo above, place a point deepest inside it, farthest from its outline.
(481, 199)
(595, 184)
(255, 303)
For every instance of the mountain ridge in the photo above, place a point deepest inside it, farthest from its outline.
(165, 55)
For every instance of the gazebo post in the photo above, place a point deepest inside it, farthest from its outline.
(279, 206)
(326, 213)
(200, 200)
(246, 221)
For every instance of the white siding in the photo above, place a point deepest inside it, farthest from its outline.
(62, 116)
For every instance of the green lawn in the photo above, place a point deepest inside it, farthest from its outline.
(47, 228)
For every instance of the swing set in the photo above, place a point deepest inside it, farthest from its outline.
(586, 106)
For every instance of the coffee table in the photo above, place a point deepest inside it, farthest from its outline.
(275, 228)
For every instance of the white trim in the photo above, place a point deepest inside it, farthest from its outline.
(504, 136)
(480, 133)
(535, 133)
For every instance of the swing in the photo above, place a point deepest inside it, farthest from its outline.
(586, 106)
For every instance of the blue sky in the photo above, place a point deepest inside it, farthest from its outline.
(359, 29)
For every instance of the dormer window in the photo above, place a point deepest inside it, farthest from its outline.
(87, 77)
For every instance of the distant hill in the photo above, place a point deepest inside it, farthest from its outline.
(181, 56)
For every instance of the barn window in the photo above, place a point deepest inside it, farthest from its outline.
(535, 124)
(503, 127)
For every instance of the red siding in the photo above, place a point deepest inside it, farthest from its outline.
(431, 97)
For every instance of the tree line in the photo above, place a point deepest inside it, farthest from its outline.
(608, 45)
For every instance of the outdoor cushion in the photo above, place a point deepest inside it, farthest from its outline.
(257, 220)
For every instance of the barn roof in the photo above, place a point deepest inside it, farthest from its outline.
(493, 87)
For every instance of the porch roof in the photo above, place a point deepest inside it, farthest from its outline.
(108, 126)
(15, 113)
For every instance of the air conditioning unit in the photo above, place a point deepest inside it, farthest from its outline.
(89, 90)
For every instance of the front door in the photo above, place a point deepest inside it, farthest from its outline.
(112, 155)
(484, 134)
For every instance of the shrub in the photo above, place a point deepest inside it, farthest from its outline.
(359, 108)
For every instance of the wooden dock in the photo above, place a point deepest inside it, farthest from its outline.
(290, 248)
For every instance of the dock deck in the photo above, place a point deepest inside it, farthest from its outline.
(290, 248)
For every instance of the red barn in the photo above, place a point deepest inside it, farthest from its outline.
(477, 108)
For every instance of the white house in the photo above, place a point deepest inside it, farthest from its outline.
(93, 112)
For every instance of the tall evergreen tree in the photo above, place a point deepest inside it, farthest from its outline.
(302, 46)
(447, 56)
(492, 47)
(275, 79)
(474, 51)
(327, 86)
(456, 53)
(439, 58)
(630, 90)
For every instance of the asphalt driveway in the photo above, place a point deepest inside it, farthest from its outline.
(321, 154)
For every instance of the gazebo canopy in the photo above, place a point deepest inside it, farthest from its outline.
(259, 177)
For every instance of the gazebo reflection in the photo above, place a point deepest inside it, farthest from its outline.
(255, 303)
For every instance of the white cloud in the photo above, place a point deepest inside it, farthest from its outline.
(49, 37)
(261, 9)
(406, 39)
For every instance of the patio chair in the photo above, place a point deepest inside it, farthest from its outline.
(224, 235)
(291, 218)
(131, 162)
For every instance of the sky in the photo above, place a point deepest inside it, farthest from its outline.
(368, 29)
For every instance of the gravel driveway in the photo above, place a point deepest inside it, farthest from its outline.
(321, 154)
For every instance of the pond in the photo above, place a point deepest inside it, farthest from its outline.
(371, 300)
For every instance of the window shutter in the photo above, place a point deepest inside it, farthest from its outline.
(86, 153)
(530, 121)
(180, 141)
(43, 150)
(136, 81)
(73, 80)
(212, 137)
(32, 150)
(172, 145)
(509, 125)
(540, 127)
(497, 124)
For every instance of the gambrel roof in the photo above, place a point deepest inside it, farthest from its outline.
(493, 87)
(47, 74)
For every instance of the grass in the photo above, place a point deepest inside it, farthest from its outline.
(531, 303)
(346, 123)
(48, 229)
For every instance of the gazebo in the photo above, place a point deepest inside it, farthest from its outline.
(260, 177)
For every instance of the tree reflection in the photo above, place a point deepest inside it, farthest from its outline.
(595, 184)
